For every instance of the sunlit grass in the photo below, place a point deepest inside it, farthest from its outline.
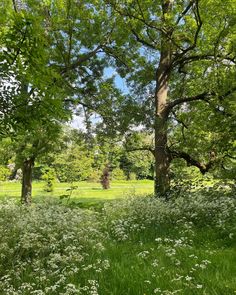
(85, 191)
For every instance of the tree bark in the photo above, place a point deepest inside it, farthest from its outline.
(162, 158)
(26, 191)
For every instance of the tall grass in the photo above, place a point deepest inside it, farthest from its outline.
(133, 246)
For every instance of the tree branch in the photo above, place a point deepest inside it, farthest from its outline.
(201, 96)
(142, 41)
(83, 58)
(184, 12)
(188, 59)
(195, 38)
(193, 162)
(179, 121)
(144, 148)
(132, 16)
(14, 5)
(113, 54)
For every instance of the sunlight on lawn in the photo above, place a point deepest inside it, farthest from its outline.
(84, 192)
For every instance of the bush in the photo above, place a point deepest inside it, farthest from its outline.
(49, 175)
(4, 173)
(118, 174)
(94, 176)
(50, 246)
(124, 248)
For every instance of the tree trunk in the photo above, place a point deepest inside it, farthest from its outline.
(162, 158)
(26, 191)
(105, 179)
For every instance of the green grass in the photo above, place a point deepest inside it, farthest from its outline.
(86, 192)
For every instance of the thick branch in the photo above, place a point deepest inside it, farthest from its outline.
(193, 162)
(191, 58)
(201, 96)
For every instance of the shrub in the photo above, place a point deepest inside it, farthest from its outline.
(49, 175)
(118, 174)
(4, 173)
(94, 176)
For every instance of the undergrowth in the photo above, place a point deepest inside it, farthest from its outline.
(134, 246)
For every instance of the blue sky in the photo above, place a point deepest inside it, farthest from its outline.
(119, 82)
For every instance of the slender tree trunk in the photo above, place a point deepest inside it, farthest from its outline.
(162, 158)
(105, 179)
(26, 191)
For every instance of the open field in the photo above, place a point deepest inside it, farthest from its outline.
(85, 191)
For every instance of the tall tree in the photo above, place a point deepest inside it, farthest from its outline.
(48, 66)
(179, 59)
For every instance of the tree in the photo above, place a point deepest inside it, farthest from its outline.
(74, 163)
(179, 59)
(48, 65)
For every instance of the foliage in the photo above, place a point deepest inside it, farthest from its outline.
(74, 163)
(137, 155)
(94, 176)
(4, 173)
(49, 176)
(7, 153)
(118, 174)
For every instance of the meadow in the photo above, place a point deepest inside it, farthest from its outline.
(85, 192)
(131, 245)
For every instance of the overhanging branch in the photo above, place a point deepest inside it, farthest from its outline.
(202, 96)
(203, 167)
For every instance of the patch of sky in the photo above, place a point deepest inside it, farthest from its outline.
(109, 72)
(120, 83)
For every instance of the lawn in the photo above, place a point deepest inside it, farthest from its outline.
(88, 192)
